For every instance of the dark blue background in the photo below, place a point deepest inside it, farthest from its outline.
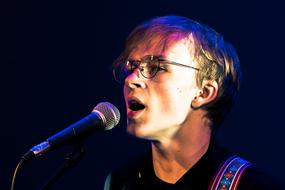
(55, 67)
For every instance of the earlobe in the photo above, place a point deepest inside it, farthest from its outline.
(206, 94)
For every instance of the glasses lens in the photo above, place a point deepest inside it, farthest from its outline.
(121, 71)
(149, 67)
(124, 69)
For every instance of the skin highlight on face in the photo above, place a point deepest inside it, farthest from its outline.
(168, 95)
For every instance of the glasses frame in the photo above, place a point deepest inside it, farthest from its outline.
(146, 60)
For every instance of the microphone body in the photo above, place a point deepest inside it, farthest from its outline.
(104, 117)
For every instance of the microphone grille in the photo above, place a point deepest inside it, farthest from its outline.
(109, 113)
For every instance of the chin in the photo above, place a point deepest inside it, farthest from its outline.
(135, 130)
(140, 131)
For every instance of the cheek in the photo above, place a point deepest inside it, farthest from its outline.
(174, 106)
(185, 93)
(182, 97)
(173, 99)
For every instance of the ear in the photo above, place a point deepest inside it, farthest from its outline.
(206, 94)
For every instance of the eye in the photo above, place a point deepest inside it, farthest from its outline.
(162, 66)
(152, 67)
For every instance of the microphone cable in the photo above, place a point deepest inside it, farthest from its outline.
(16, 172)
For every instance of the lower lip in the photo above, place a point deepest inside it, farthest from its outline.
(134, 114)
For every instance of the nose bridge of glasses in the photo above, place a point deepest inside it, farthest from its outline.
(133, 68)
(136, 65)
(135, 79)
(147, 66)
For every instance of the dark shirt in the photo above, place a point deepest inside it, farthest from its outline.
(140, 175)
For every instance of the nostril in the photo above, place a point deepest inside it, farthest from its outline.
(133, 84)
(137, 85)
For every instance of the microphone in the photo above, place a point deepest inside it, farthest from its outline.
(104, 116)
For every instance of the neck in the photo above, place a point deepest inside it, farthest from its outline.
(174, 156)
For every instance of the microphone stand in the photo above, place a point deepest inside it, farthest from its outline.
(70, 160)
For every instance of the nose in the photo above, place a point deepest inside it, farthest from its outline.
(135, 80)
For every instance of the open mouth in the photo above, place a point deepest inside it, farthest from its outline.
(136, 105)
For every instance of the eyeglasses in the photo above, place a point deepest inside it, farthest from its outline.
(148, 67)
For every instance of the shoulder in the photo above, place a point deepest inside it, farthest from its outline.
(253, 178)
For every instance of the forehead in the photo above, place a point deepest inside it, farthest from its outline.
(173, 45)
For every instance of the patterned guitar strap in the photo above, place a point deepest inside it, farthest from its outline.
(229, 174)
